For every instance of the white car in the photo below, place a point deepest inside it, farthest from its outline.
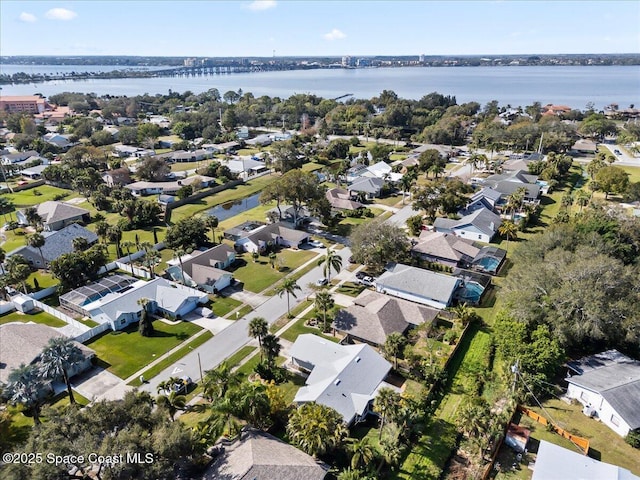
(316, 244)
(368, 281)
(321, 282)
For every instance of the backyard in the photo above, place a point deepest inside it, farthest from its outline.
(126, 351)
(40, 317)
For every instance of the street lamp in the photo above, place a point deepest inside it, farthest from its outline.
(199, 363)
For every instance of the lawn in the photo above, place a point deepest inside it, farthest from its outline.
(125, 352)
(298, 328)
(27, 198)
(45, 279)
(40, 317)
(351, 289)
(257, 276)
(221, 306)
(174, 357)
(295, 311)
(392, 201)
(257, 213)
(634, 173)
(291, 386)
(240, 355)
(605, 444)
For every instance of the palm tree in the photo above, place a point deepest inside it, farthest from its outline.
(258, 328)
(362, 452)
(350, 474)
(165, 386)
(27, 388)
(146, 325)
(509, 230)
(172, 402)
(582, 198)
(151, 258)
(19, 270)
(316, 428)
(114, 234)
(58, 358)
(436, 169)
(463, 312)
(288, 286)
(406, 182)
(178, 254)
(128, 244)
(387, 403)
(80, 244)
(3, 257)
(330, 261)
(32, 216)
(102, 228)
(393, 346)
(271, 347)
(324, 301)
(253, 404)
(211, 221)
(391, 452)
(37, 241)
(217, 382)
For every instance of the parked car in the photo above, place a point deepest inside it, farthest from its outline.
(617, 152)
(316, 244)
(182, 386)
(360, 275)
(321, 282)
(368, 281)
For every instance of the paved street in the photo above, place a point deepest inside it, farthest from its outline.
(235, 336)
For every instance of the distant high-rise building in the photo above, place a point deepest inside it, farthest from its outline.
(347, 61)
(421, 58)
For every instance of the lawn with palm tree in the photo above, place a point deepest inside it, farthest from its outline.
(126, 351)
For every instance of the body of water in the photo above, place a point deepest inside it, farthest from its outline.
(7, 69)
(516, 86)
(233, 208)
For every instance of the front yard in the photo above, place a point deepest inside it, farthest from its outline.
(40, 317)
(125, 352)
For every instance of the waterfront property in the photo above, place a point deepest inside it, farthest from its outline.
(273, 235)
(167, 188)
(343, 377)
(56, 215)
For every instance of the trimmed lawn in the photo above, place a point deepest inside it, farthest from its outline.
(634, 173)
(45, 279)
(257, 276)
(27, 198)
(126, 351)
(392, 201)
(221, 306)
(174, 357)
(240, 355)
(298, 328)
(291, 386)
(351, 289)
(295, 311)
(604, 443)
(258, 213)
(41, 317)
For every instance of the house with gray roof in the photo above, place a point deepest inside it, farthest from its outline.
(34, 172)
(205, 269)
(22, 343)
(258, 455)
(485, 198)
(341, 199)
(369, 186)
(373, 316)
(57, 215)
(55, 245)
(555, 462)
(481, 225)
(275, 234)
(508, 182)
(343, 377)
(121, 308)
(167, 188)
(608, 385)
(418, 285)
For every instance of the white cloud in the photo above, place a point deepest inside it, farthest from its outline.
(334, 34)
(259, 5)
(27, 17)
(61, 14)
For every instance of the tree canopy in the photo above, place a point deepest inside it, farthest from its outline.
(377, 243)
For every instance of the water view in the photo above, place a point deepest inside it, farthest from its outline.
(227, 210)
(517, 86)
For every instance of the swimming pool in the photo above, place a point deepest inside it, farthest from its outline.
(488, 264)
(471, 292)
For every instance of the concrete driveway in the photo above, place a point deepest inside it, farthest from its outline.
(100, 384)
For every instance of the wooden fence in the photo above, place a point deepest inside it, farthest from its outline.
(583, 443)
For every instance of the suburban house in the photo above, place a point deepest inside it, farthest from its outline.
(16, 157)
(117, 177)
(370, 187)
(287, 214)
(553, 461)
(195, 156)
(167, 188)
(22, 343)
(117, 304)
(124, 151)
(343, 377)
(451, 251)
(485, 198)
(60, 141)
(584, 145)
(340, 199)
(57, 215)
(418, 285)
(481, 225)
(258, 455)
(227, 147)
(373, 316)
(275, 234)
(56, 243)
(205, 270)
(34, 173)
(510, 181)
(608, 385)
(245, 166)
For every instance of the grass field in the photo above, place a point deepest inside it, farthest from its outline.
(27, 198)
(125, 352)
(42, 318)
(240, 355)
(634, 173)
(223, 305)
(298, 328)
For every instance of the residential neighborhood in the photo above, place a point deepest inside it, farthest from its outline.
(307, 302)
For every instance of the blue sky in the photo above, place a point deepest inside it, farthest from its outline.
(314, 28)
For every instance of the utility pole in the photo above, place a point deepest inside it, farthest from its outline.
(515, 371)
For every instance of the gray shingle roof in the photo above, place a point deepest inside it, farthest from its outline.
(52, 212)
(370, 185)
(344, 377)
(614, 376)
(373, 316)
(258, 455)
(445, 246)
(341, 199)
(58, 243)
(484, 220)
(22, 343)
(418, 281)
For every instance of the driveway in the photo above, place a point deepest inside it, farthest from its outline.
(100, 384)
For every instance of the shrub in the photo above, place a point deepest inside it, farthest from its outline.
(633, 438)
(37, 193)
(60, 196)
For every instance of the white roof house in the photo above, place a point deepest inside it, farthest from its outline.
(119, 309)
(554, 462)
(343, 377)
(418, 285)
(608, 383)
(480, 225)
